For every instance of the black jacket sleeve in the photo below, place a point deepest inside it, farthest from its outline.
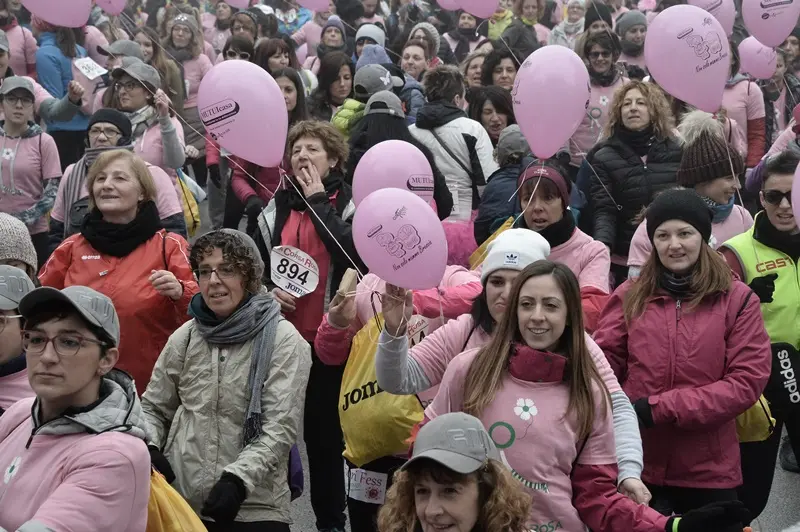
(55, 235)
(334, 231)
(441, 195)
(605, 210)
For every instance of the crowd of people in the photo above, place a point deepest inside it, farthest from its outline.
(612, 345)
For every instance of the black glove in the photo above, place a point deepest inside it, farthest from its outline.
(213, 175)
(161, 464)
(719, 516)
(254, 207)
(225, 499)
(764, 287)
(644, 412)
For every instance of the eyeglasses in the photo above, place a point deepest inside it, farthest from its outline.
(223, 271)
(109, 132)
(597, 55)
(128, 85)
(775, 197)
(15, 100)
(233, 54)
(65, 344)
(4, 320)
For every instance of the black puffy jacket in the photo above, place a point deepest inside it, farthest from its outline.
(628, 184)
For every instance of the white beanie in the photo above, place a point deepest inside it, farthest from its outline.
(371, 31)
(514, 249)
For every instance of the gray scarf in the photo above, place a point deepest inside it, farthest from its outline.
(142, 120)
(256, 318)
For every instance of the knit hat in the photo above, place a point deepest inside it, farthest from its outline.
(628, 20)
(118, 119)
(538, 170)
(371, 31)
(595, 12)
(373, 54)
(511, 142)
(336, 22)
(15, 242)
(249, 14)
(514, 249)
(706, 152)
(186, 20)
(432, 33)
(679, 204)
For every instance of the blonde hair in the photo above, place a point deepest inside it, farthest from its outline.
(661, 117)
(504, 505)
(138, 170)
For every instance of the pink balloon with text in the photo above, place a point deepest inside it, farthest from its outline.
(393, 164)
(756, 59)
(770, 21)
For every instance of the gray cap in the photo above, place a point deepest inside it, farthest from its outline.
(385, 102)
(457, 441)
(96, 308)
(17, 82)
(511, 141)
(371, 79)
(14, 285)
(4, 42)
(122, 48)
(138, 70)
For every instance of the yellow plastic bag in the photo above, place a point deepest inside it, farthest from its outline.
(167, 511)
(477, 257)
(756, 423)
(191, 211)
(375, 423)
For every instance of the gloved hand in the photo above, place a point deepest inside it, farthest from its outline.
(225, 499)
(214, 176)
(254, 207)
(644, 412)
(764, 287)
(728, 515)
(161, 464)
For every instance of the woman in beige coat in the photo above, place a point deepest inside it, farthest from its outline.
(226, 396)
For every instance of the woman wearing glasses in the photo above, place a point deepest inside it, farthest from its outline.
(29, 164)
(228, 390)
(123, 252)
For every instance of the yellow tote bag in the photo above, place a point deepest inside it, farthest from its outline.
(191, 211)
(375, 423)
(477, 257)
(167, 511)
(756, 423)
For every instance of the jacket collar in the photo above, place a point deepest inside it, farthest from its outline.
(435, 114)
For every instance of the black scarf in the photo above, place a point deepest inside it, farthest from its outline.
(767, 234)
(631, 49)
(607, 78)
(638, 141)
(180, 56)
(678, 286)
(119, 240)
(332, 184)
(324, 49)
(559, 232)
(15, 365)
(463, 36)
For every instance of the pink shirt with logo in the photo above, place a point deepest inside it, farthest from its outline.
(590, 131)
(22, 46)
(193, 71)
(25, 165)
(13, 388)
(537, 441)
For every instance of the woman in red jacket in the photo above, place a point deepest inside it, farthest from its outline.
(123, 252)
(688, 345)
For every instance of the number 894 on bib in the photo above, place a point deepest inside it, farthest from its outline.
(293, 271)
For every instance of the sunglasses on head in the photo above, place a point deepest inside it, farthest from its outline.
(775, 197)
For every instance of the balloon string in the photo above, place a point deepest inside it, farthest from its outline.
(591, 167)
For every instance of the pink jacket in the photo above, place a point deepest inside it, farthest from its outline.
(95, 38)
(194, 70)
(698, 369)
(739, 221)
(311, 34)
(13, 388)
(588, 259)
(590, 130)
(22, 56)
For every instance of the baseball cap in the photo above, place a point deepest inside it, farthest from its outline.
(455, 440)
(385, 102)
(511, 141)
(94, 307)
(17, 82)
(122, 48)
(14, 285)
(371, 79)
(138, 70)
(4, 41)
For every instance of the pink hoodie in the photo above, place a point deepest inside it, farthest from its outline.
(22, 54)
(13, 388)
(150, 148)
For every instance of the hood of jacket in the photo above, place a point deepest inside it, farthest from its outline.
(435, 114)
(33, 130)
(735, 79)
(117, 410)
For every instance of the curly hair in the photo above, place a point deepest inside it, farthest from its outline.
(493, 59)
(235, 251)
(661, 117)
(503, 502)
(332, 140)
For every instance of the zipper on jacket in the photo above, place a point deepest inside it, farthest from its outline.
(678, 308)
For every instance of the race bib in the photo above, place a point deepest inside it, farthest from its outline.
(293, 271)
(89, 68)
(366, 486)
(417, 329)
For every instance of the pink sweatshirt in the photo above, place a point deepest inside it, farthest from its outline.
(150, 148)
(71, 482)
(783, 140)
(209, 52)
(194, 70)
(311, 34)
(744, 101)
(213, 35)
(95, 38)
(736, 223)
(22, 55)
(590, 130)
(13, 388)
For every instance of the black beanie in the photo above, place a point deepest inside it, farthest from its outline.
(680, 204)
(595, 12)
(112, 116)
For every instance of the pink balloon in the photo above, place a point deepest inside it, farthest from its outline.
(795, 195)
(687, 53)
(400, 239)
(238, 4)
(393, 164)
(302, 53)
(769, 21)
(112, 7)
(242, 108)
(69, 14)
(723, 10)
(757, 60)
(551, 93)
(449, 5)
(314, 5)
(480, 8)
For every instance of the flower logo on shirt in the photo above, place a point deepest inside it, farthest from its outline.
(525, 409)
(603, 100)
(12, 469)
(8, 154)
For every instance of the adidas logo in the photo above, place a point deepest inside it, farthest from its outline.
(512, 259)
